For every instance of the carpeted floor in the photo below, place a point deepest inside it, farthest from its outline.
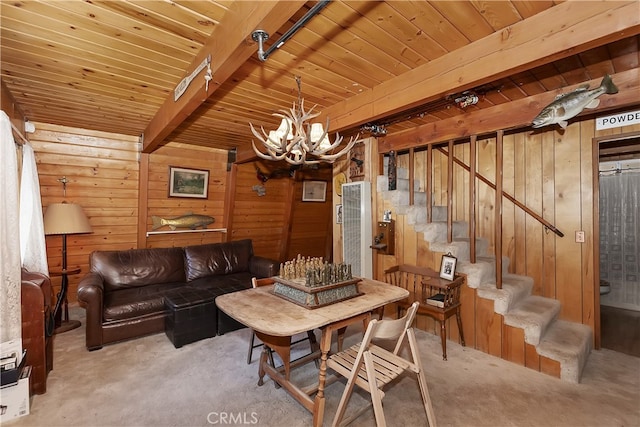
(147, 382)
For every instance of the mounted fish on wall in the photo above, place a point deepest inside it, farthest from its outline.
(570, 104)
(188, 220)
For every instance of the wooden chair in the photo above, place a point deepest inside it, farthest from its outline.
(424, 283)
(311, 337)
(372, 367)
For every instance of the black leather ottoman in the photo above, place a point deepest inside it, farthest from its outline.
(192, 315)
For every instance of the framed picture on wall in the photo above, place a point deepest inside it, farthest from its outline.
(188, 183)
(338, 214)
(314, 191)
(448, 266)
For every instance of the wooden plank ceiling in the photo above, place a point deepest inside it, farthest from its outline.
(113, 65)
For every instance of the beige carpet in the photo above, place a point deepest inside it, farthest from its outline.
(147, 382)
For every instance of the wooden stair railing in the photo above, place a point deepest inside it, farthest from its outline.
(508, 196)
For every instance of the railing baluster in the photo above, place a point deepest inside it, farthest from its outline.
(450, 193)
(429, 183)
(498, 207)
(472, 198)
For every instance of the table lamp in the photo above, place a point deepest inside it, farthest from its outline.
(64, 219)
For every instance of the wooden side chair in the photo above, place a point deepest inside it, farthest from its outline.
(311, 337)
(424, 284)
(372, 367)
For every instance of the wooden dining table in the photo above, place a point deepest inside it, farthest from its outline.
(275, 320)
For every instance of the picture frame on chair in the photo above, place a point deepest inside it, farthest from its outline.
(448, 266)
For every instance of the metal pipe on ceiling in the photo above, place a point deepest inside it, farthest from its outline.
(260, 36)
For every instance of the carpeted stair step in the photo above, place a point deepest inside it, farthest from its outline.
(437, 231)
(514, 289)
(460, 247)
(569, 344)
(417, 214)
(483, 270)
(533, 314)
(402, 183)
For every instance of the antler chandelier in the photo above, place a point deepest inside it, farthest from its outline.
(297, 141)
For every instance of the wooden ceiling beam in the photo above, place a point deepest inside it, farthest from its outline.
(230, 46)
(511, 115)
(561, 31)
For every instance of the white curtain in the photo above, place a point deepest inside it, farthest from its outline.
(33, 248)
(620, 239)
(10, 316)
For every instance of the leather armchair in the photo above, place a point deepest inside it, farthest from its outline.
(37, 327)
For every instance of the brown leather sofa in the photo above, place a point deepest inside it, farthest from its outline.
(124, 292)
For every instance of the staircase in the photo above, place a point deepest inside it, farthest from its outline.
(547, 344)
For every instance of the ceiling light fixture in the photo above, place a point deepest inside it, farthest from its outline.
(298, 141)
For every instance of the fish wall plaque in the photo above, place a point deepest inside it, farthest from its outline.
(570, 104)
(189, 220)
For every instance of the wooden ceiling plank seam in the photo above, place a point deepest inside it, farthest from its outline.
(76, 89)
(628, 54)
(86, 36)
(228, 43)
(548, 76)
(541, 38)
(316, 88)
(345, 71)
(271, 81)
(140, 31)
(597, 62)
(209, 9)
(200, 20)
(383, 34)
(53, 105)
(19, 49)
(464, 18)
(120, 123)
(415, 33)
(572, 70)
(519, 86)
(377, 62)
(95, 49)
(63, 65)
(73, 132)
(434, 25)
(527, 9)
(498, 14)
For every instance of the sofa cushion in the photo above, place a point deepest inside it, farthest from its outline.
(217, 259)
(138, 267)
(136, 302)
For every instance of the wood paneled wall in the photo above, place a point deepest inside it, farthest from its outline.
(158, 203)
(280, 224)
(260, 218)
(102, 173)
(551, 172)
(311, 225)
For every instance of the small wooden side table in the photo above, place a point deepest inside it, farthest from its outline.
(62, 322)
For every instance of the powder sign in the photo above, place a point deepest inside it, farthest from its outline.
(618, 120)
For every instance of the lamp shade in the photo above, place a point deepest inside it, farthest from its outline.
(65, 218)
